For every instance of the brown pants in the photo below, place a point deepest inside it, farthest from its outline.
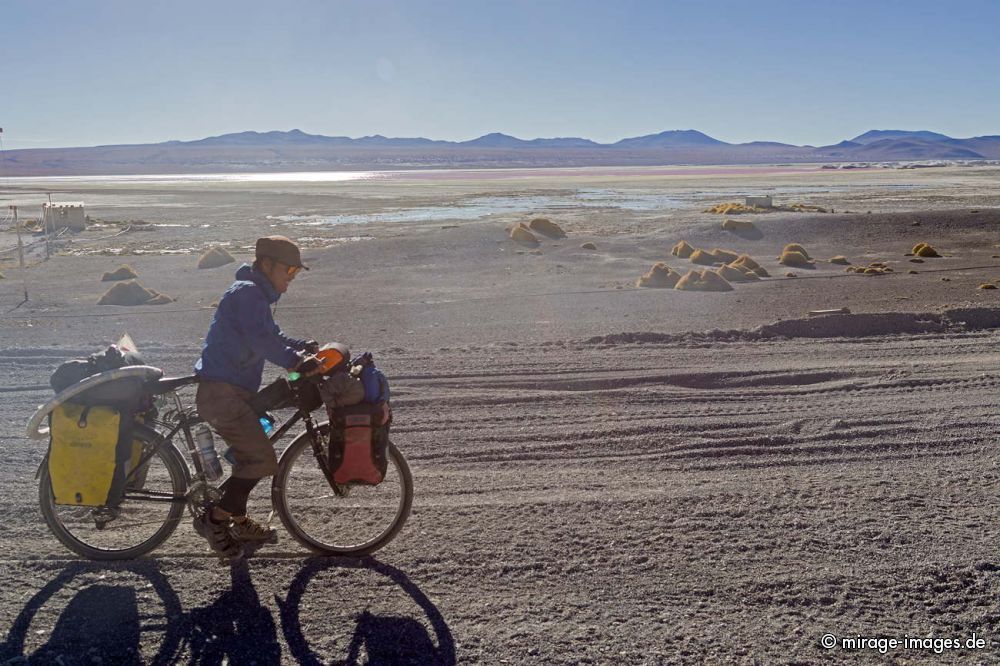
(226, 408)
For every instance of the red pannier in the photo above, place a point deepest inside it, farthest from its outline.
(359, 441)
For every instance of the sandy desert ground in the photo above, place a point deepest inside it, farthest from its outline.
(604, 474)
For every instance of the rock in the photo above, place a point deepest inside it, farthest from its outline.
(738, 225)
(839, 259)
(521, 234)
(682, 250)
(917, 261)
(660, 276)
(790, 274)
(215, 257)
(588, 246)
(123, 272)
(546, 227)
(987, 285)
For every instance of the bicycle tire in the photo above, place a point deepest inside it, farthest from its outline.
(178, 475)
(279, 498)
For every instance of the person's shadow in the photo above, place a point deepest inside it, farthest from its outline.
(236, 628)
(377, 639)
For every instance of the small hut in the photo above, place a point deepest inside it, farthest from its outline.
(760, 202)
(56, 216)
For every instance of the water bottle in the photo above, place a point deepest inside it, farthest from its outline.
(205, 448)
(267, 423)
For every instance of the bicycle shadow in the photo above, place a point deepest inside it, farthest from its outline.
(110, 621)
(377, 638)
(101, 620)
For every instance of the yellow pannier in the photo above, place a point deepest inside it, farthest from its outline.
(83, 453)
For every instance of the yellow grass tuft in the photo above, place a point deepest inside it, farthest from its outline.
(588, 246)
(521, 234)
(682, 250)
(546, 227)
(130, 292)
(725, 256)
(733, 209)
(215, 257)
(794, 258)
(925, 250)
(795, 247)
(745, 260)
(123, 272)
(839, 259)
(703, 280)
(702, 257)
(660, 276)
(734, 274)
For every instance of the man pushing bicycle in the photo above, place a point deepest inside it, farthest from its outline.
(242, 336)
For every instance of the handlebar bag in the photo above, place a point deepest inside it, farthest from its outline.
(91, 450)
(359, 439)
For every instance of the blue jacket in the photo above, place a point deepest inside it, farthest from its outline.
(243, 334)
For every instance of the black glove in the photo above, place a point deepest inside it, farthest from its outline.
(308, 365)
(312, 347)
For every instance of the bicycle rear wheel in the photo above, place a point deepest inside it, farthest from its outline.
(358, 523)
(133, 528)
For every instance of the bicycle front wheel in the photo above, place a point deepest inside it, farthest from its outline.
(134, 527)
(359, 522)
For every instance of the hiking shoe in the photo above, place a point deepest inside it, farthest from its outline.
(250, 530)
(218, 536)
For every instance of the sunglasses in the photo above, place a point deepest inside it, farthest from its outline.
(292, 271)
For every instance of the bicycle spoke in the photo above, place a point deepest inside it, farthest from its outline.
(139, 523)
(360, 522)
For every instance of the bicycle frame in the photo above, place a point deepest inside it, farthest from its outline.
(186, 418)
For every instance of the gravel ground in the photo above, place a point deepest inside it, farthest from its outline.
(602, 475)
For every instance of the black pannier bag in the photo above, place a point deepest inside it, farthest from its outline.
(125, 393)
(359, 442)
(281, 394)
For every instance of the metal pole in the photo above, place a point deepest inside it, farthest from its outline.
(20, 253)
(45, 228)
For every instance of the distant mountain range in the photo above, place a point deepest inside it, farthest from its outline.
(296, 150)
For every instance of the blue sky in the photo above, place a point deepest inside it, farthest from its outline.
(806, 72)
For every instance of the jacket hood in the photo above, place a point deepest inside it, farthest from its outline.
(246, 273)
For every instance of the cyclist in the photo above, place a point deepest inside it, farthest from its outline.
(243, 334)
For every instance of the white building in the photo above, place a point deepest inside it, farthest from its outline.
(70, 215)
(760, 202)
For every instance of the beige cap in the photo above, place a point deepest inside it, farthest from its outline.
(280, 249)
